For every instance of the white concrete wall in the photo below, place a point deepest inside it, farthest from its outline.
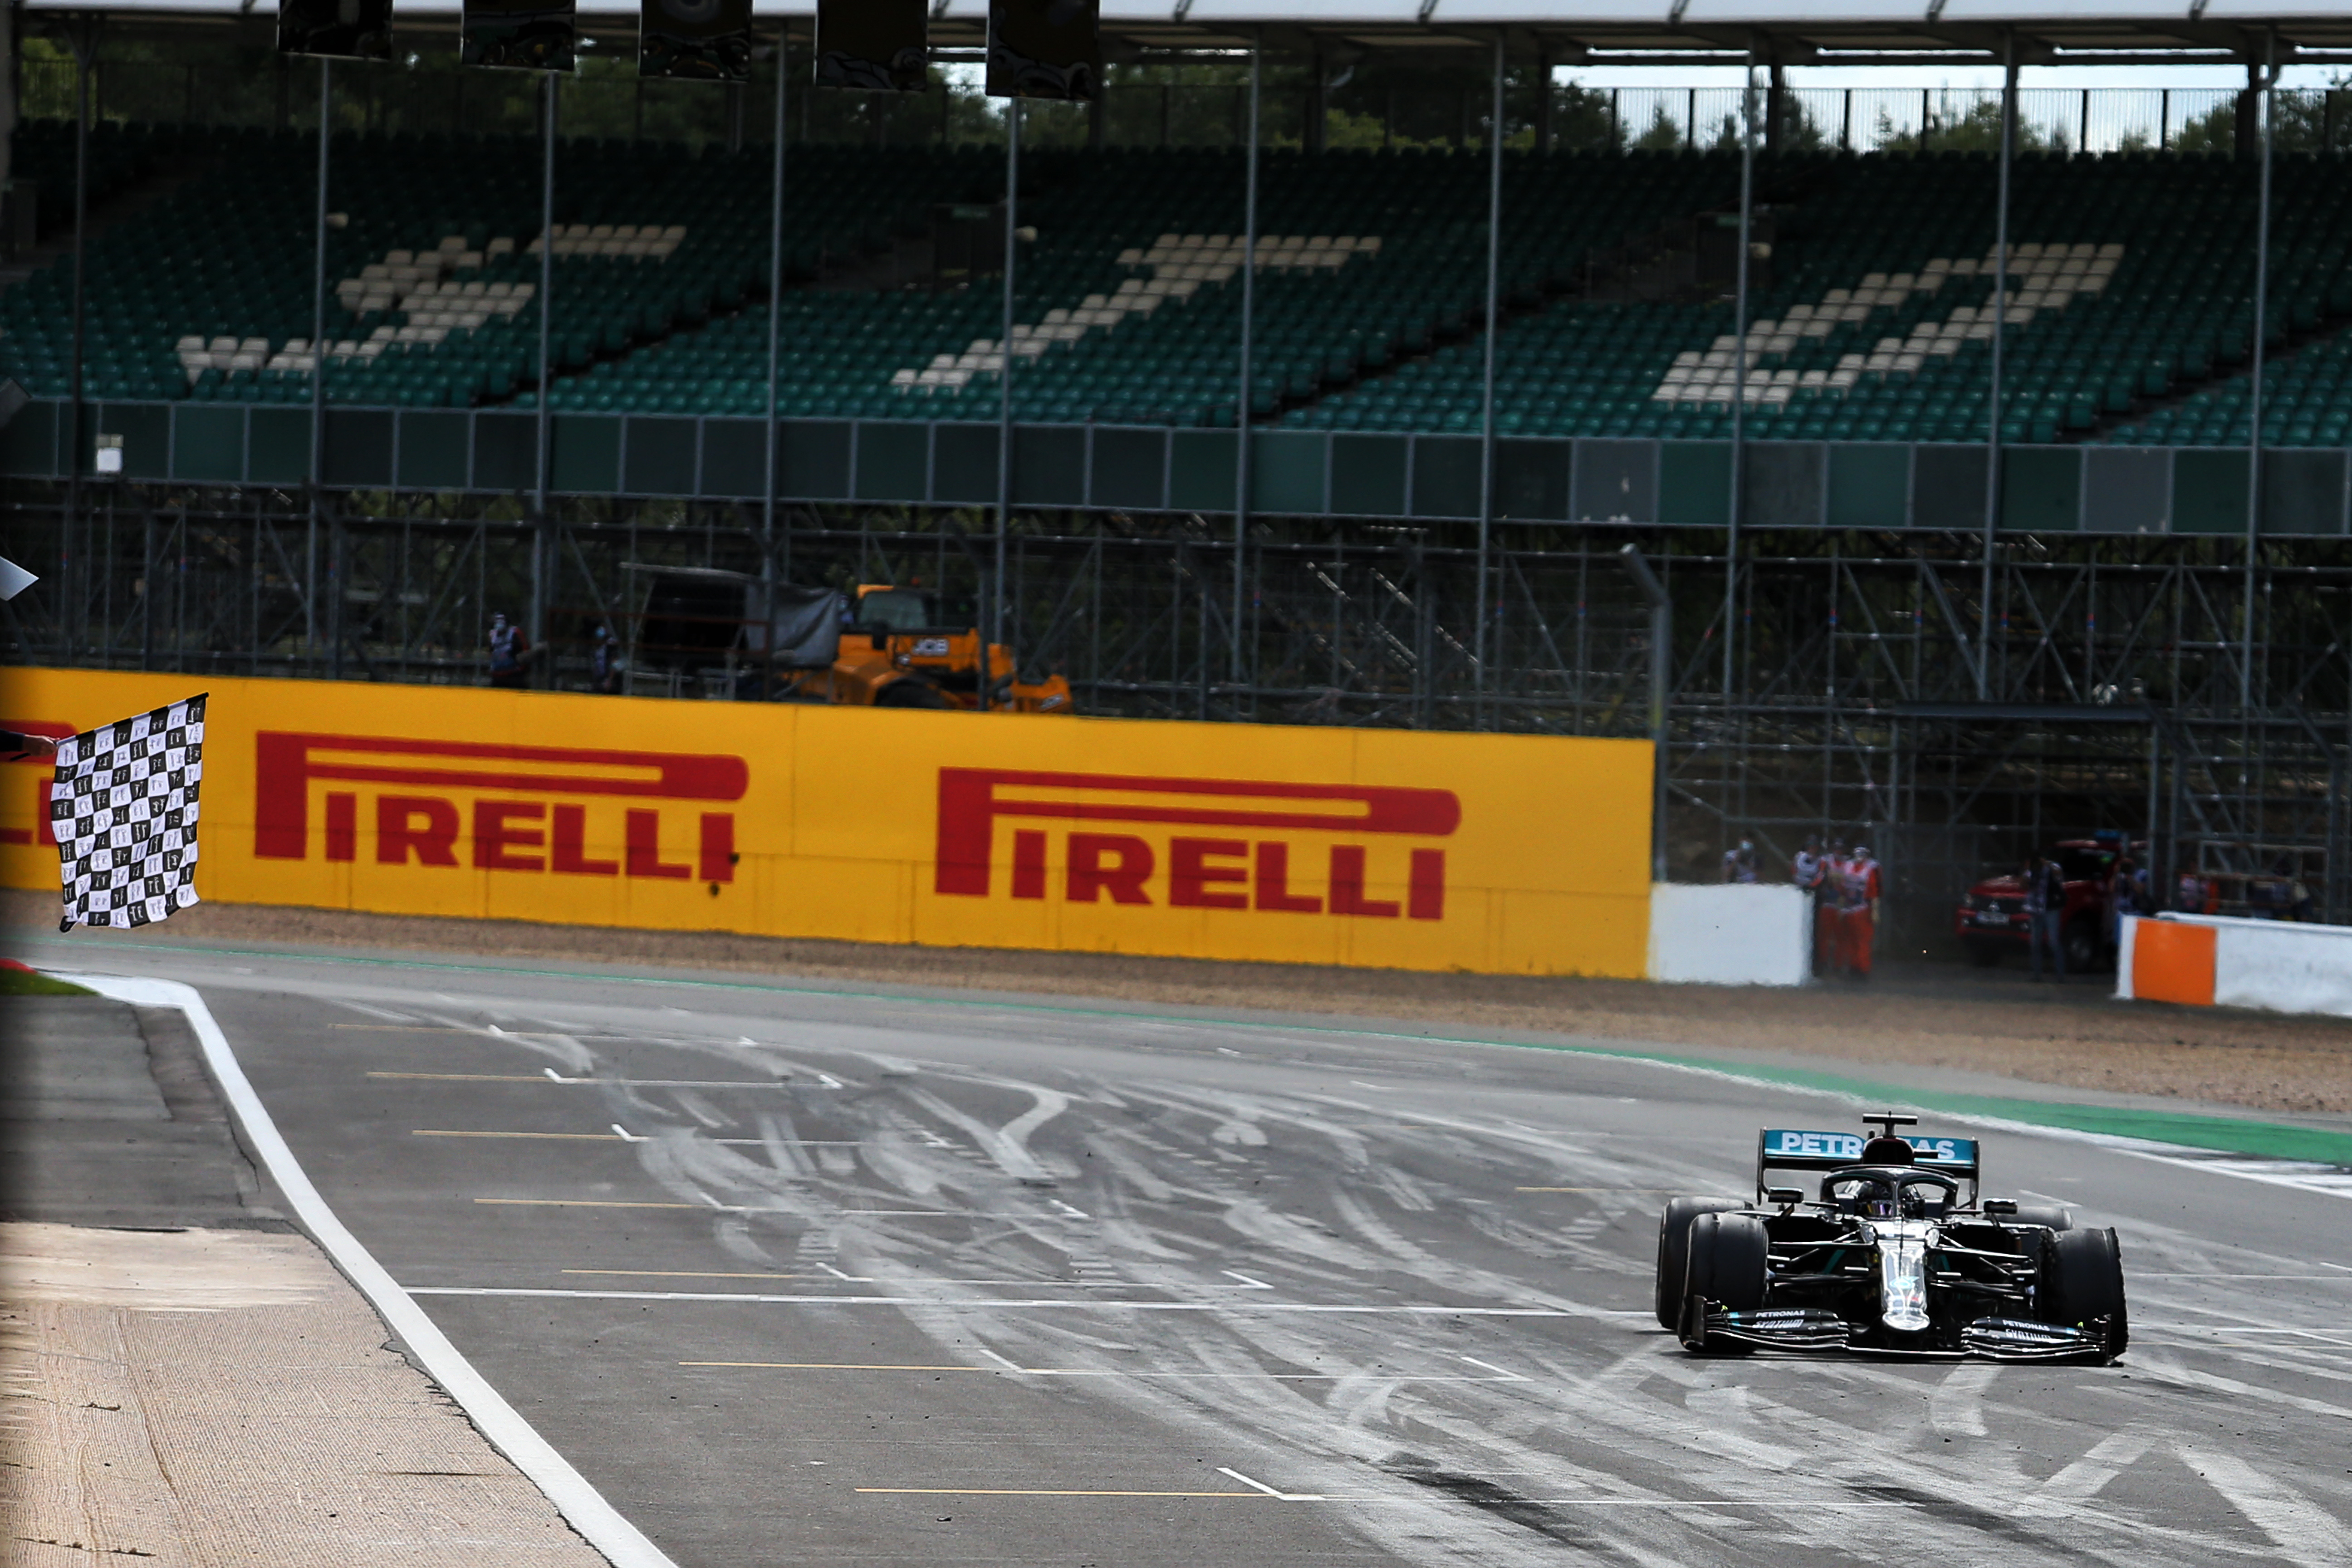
(1730, 934)
(2282, 965)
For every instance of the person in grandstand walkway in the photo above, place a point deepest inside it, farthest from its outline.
(510, 650)
(2045, 912)
(604, 663)
(16, 747)
(1859, 913)
(1829, 915)
(1808, 870)
(1739, 865)
(2123, 898)
(1858, 916)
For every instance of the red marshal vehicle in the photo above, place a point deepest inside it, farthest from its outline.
(1991, 921)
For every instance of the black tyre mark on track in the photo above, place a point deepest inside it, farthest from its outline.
(1500, 1501)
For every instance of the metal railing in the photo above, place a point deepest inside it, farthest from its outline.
(607, 99)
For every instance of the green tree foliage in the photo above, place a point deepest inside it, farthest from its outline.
(1972, 128)
(2215, 131)
(1663, 134)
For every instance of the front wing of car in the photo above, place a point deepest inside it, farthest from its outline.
(1818, 1329)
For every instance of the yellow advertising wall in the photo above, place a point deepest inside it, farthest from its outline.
(1492, 853)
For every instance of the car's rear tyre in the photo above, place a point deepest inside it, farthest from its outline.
(1728, 1253)
(2082, 1282)
(2051, 1216)
(1985, 955)
(1673, 1252)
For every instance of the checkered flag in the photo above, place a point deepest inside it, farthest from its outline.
(123, 810)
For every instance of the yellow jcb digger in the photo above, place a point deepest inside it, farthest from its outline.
(895, 652)
(888, 647)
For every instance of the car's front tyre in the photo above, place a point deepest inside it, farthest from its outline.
(1673, 1252)
(2082, 1283)
(1729, 1254)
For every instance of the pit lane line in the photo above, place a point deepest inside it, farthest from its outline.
(581, 1505)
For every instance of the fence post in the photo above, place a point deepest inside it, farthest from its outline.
(1249, 391)
(542, 536)
(319, 326)
(84, 37)
(1543, 102)
(1999, 327)
(1739, 382)
(2254, 376)
(1486, 410)
(994, 620)
(775, 324)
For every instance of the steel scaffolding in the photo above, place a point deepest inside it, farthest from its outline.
(1861, 699)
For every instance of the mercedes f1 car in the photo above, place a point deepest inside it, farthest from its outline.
(1891, 1258)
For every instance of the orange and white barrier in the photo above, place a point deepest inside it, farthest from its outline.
(2220, 960)
(1494, 853)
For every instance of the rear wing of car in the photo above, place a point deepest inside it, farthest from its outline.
(1791, 1149)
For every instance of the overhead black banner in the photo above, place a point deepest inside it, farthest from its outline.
(520, 34)
(699, 40)
(347, 30)
(877, 45)
(1044, 49)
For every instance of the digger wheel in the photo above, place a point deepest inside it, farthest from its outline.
(907, 691)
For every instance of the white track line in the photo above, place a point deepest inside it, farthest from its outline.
(2305, 1532)
(581, 1504)
(1260, 1486)
(1239, 1304)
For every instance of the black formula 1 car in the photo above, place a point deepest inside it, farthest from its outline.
(1891, 1259)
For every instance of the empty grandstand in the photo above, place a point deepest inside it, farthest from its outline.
(1992, 491)
(2130, 297)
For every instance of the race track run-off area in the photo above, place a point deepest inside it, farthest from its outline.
(792, 1276)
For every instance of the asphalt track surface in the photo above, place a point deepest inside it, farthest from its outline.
(810, 1277)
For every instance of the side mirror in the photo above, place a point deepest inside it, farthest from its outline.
(1785, 1196)
(2000, 1206)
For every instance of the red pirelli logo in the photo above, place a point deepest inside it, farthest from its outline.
(1228, 871)
(417, 815)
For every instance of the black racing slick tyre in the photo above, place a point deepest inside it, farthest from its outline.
(2082, 1282)
(1673, 1252)
(1728, 1258)
(910, 692)
(2047, 1214)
